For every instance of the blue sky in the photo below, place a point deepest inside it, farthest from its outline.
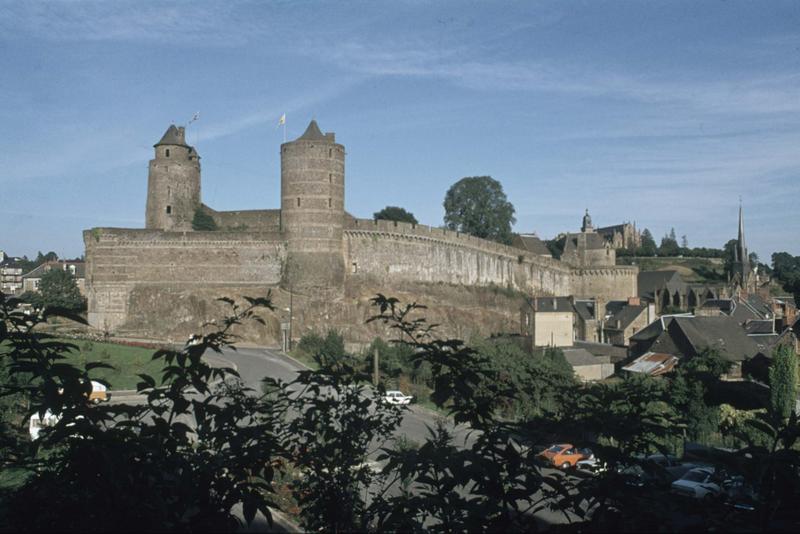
(662, 113)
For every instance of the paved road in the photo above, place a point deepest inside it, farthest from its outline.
(255, 363)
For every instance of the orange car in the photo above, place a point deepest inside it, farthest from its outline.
(564, 455)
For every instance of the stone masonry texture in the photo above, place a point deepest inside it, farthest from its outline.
(164, 281)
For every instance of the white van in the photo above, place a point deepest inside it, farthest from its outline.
(37, 423)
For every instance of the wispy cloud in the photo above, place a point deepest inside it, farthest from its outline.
(198, 23)
(776, 93)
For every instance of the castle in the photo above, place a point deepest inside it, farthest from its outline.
(147, 279)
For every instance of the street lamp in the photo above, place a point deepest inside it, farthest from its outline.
(286, 328)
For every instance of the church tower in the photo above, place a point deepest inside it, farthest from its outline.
(173, 184)
(312, 210)
(742, 271)
(587, 223)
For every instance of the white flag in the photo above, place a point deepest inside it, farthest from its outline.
(282, 120)
(195, 117)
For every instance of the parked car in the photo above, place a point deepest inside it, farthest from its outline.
(564, 455)
(37, 423)
(646, 475)
(699, 483)
(99, 393)
(591, 466)
(663, 460)
(397, 397)
(740, 494)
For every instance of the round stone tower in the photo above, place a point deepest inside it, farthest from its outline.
(173, 185)
(312, 210)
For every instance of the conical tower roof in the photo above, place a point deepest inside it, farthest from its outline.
(173, 136)
(313, 133)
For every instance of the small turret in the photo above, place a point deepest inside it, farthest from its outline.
(173, 186)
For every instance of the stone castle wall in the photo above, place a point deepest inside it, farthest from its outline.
(247, 220)
(386, 251)
(617, 282)
(119, 261)
(165, 279)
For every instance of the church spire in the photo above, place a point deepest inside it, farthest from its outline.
(742, 248)
(742, 258)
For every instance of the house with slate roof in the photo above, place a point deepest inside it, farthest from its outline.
(686, 336)
(531, 243)
(624, 318)
(548, 321)
(587, 366)
(586, 320)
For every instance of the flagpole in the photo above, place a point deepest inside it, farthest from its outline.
(284, 131)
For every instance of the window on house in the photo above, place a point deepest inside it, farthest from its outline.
(329, 202)
(330, 177)
(355, 267)
(167, 152)
(298, 202)
(169, 210)
(330, 152)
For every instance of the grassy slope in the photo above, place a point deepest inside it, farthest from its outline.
(691, 269)
(127, 362)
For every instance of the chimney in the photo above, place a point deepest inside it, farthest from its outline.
(634, 301)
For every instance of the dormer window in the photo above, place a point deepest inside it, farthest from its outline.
(167, 152)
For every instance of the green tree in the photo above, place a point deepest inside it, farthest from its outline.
(180, 462)
(202, 221)
(689, 391)
(785, 265)
(332, 426)
(488, 484)
(556, 246)
(329, 348)
(783, 382)
(669, 245)
(730, 256)
(478, 206)
(648, 247)
(42, 258)
(786, 268)
(58, 289)
(395, 213)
